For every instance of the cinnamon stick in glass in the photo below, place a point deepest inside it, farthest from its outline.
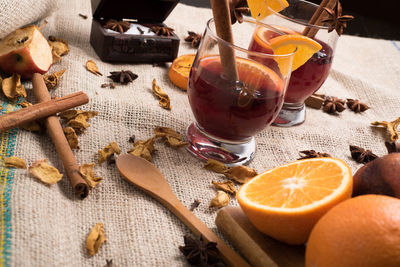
(56, 133)
(41, 110)
(223, 27)
(317, 18)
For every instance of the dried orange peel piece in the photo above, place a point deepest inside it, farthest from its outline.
(180, 70)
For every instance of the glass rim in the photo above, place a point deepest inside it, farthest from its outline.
(214, 35)
(319, 27)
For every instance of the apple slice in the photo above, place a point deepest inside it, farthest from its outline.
(25, 51)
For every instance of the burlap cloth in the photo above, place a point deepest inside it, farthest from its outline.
(49, 225)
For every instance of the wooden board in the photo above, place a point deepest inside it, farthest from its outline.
(256, 247)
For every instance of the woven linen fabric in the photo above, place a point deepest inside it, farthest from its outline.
(47, 225)
(15, 14)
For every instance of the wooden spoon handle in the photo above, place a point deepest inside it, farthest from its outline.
(229, 256)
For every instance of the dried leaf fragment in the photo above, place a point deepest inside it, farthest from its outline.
(95, 239)
(16, 162)
(391, 127)
(59, 47)
(71, 136)
(12, 87)
(77, 119)
(241, 174)
(215, 165)
(143, 149)
(226, 186)
(171, 137)
(92, 67)
(107, 151)
(44, 172)
(87, 173)
(221, 200)
(164, 101)
(51, 80)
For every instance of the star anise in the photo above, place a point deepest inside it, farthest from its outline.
(392, 147)
(308, 154)
(162, 30)
(336, 20)
(356, 106)
(193, 37)
(123, 76)
(238, 8)
(199, 252)
(118, 26)
(333, 105)
(361, 155)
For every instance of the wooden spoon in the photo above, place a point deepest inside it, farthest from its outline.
(147, 177)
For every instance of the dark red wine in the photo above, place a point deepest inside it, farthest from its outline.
(234, 110)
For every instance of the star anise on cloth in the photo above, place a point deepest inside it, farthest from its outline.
(118, 26)
(238, 8)
(162, 30)
(193, 37)
(308, 154)
(199, 252)
(336, 20)
(361, 155)
(333, 105)
(356, 106)
(123, 76)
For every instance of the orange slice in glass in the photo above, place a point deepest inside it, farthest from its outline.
(259, 8)
(180, 69)
(286, 44)
(286, 202)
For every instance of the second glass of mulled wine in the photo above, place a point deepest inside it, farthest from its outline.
(309, 77)
(231, 109)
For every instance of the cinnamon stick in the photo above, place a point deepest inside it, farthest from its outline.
(223, 27)
(41, 110)
(56, 133)
(318, 17)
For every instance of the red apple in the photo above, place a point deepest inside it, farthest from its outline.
(25, 51)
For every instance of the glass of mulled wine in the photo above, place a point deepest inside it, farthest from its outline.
(230, 110)
(308, 78)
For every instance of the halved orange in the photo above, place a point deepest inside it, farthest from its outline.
(180, 69)
(286, 44)
(286, 202)
(259, 8)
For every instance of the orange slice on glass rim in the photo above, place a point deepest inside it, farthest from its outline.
(286, 202)
(261, 8)
(180, 69)
(286, 44)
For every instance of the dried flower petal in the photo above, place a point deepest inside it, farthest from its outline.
(13, 88)
(71, 136)
(143, 148)
(391, 127)
(241, 174)
(59, 48)
(25, 104)
(95, 239)
(171, 137)
(164, 98)
(44, 172)
(16, 162)
(226, 186)
(107, 151)
(221, 200)
(215, 165)
(51, 80)
(87, 172)
(92, 67)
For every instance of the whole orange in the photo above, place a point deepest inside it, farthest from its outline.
(362, 231)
